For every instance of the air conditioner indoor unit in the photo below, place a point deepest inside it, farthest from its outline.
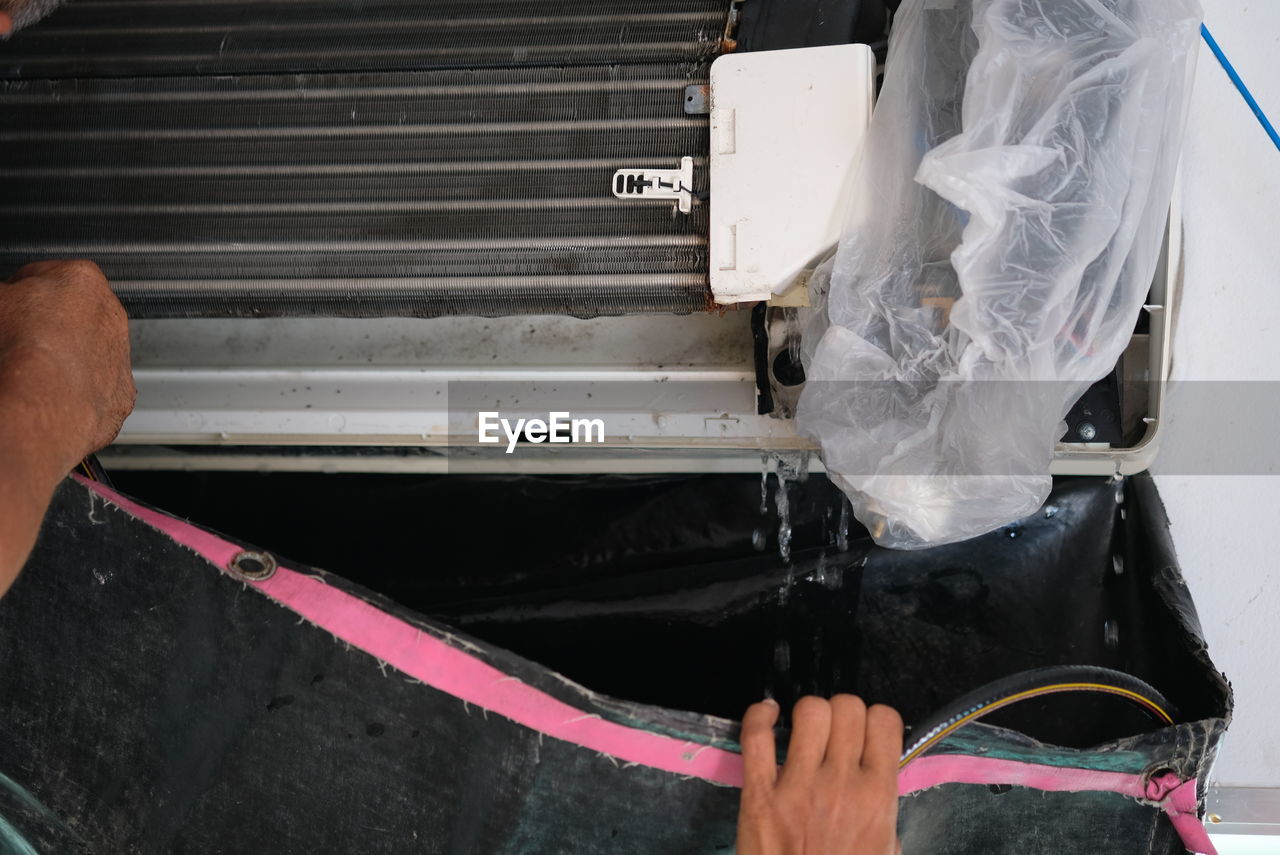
(344, 238)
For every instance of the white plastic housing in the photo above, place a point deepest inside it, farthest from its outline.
(786, 128)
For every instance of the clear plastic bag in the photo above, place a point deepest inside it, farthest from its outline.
(1010, 208)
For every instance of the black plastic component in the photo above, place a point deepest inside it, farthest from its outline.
(1098, 415)
(787, 370)
(782, 24)
(760, 351)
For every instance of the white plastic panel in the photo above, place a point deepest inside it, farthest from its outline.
(786, 128)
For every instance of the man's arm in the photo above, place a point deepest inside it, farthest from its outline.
(65, 389)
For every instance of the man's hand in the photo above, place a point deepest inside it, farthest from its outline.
(837, 794)
(65, 389)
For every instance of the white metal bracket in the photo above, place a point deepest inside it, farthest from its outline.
(657, 184)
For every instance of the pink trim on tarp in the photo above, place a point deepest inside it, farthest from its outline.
(936, 769)
(1181, 802)
(1176, 797)
(454, 671)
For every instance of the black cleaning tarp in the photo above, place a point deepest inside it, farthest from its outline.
(153, 701)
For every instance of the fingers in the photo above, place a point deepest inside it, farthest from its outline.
(759, 750)
(848, 730)
(842, 732)
(6, 25)
(810, 730)
(883, 741)
(838, 790)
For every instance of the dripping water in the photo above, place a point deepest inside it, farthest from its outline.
(834, 577)
(764, 484)
(788, 467)
(842, 530)
(819, 573)
(791, 331)
(783, 502)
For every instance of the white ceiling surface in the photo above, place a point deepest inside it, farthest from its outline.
(1225, 525)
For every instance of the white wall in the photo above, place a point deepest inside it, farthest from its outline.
(1227, 528)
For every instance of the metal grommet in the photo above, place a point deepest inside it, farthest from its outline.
(253, 566)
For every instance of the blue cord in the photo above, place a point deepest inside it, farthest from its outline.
(1244, 90)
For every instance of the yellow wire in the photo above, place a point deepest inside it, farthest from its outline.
(1031, 693)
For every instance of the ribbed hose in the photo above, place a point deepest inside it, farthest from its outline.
(1032, 684)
